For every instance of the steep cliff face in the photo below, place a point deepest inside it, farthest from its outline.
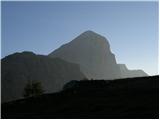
(20, 68)
(92, 52)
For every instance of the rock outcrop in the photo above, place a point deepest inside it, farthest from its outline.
(131, 73)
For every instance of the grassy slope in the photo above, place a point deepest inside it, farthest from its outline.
(125, 98)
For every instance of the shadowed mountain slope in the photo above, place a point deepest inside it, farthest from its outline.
(20, 68)
(130, 73)
(92, 52)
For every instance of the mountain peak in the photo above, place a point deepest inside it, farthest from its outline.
(92, 52)
(91, 33)
(91, 37)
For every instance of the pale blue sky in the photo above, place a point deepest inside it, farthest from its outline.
(130, 27)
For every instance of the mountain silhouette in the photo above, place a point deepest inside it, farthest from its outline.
(92, 52)
(81, 79)
(20, 68)
(87, 56)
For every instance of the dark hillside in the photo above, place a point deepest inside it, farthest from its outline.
(19, 69)
(123, 98)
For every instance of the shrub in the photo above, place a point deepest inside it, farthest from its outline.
(33, 89)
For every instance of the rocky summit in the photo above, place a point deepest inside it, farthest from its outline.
(92, 52)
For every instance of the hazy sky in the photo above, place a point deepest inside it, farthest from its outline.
(130, 27)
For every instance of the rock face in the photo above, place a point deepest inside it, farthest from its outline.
(19, 68)
(92, 52)
(130, 73)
